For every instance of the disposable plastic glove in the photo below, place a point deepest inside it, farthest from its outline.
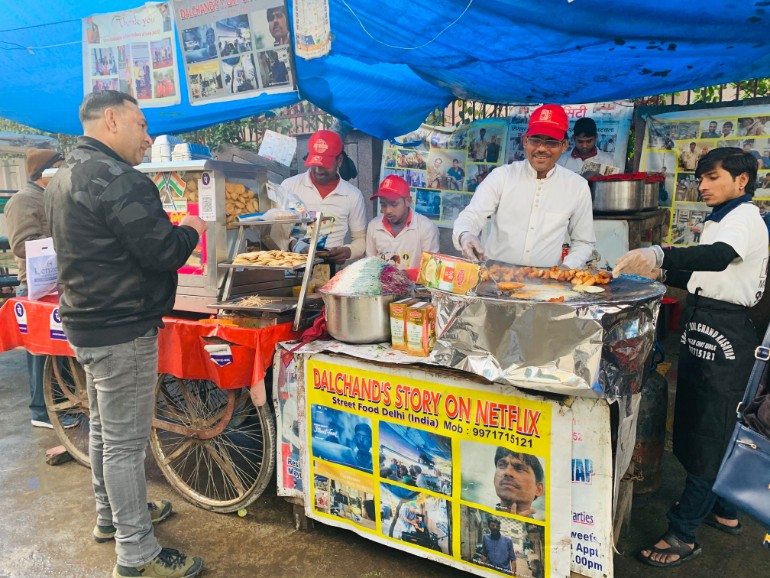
(471, 247)
(639, 262)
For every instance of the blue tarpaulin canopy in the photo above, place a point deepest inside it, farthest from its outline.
(393, 62)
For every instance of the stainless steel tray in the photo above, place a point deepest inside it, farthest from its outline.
(275, 305)
(230, 265)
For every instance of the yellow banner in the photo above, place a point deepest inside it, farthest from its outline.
(463, 474)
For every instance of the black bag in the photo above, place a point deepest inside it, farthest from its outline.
(744, 476)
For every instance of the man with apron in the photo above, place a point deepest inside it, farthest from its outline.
(724, 276)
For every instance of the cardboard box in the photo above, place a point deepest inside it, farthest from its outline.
(420, 329)
(398, 322)
(447, 273)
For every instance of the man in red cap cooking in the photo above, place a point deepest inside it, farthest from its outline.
(401, 235)
(320, 188)
(534, 205)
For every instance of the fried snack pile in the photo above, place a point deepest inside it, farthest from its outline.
(239, 200)
(270, 259)
(503, 275)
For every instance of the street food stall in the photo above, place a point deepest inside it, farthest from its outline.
(410, 451)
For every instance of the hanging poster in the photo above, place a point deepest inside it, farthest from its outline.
(443, 166)
(134, 52)
(234, 50)
(450, 470)
(675, 141)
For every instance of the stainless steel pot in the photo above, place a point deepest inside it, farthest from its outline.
(358, 318)
(650, 195)
(617, 196)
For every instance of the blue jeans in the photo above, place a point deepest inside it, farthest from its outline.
(121, 397)
(35, 364)
(696, 503)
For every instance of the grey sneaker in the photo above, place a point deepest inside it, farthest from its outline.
(159, 511)
(169, 563)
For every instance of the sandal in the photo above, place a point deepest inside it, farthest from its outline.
(711, 520)
(676, 547)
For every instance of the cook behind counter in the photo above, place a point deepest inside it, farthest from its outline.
(531, 217)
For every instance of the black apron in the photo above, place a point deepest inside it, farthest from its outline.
(715, 360)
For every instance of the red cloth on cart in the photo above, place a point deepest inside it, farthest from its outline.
(181, 343)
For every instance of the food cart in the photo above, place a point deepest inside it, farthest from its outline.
(553, 381)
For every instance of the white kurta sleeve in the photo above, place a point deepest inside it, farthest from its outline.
(581, 230)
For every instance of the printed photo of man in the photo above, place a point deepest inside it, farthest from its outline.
(518, 482)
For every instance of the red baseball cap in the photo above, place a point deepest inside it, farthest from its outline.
(323, 148)
(549, 120)
(393, 187)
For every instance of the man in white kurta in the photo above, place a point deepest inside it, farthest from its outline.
(535, 205)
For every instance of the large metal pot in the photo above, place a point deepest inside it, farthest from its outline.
(650, 194)
(617, 196)
(358, 318)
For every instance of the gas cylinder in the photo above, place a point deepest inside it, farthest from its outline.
(650, 433)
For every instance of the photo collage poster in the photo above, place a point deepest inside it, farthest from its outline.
(466, 477)
(132, 51)
(444, 166)
(674, 142)
(235, 50)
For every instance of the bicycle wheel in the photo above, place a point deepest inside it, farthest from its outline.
(212, 445)
(66, 399)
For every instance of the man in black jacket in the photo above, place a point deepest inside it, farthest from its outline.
(118, 254)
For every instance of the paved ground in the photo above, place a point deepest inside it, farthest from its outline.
(49, 515)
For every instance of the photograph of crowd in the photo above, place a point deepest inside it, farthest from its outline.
(502, 544)
(503, 479)
(345, 501)
(415, 457)
(233, 35)
(416, 518)
(341, 438)
(428, 203)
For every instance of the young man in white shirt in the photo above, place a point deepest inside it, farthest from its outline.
(321, 189)
(401, 235)
(585, 148)
(724, 276)
(533, 204)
